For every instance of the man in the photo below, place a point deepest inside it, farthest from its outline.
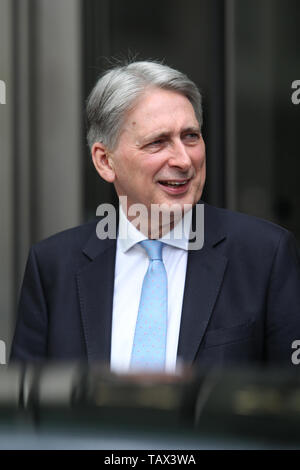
(236, 300)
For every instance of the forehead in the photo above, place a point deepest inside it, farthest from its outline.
(159, 109)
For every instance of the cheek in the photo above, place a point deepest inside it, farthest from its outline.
(198, 158)
(149, 169)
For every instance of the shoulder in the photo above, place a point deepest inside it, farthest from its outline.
(244, 233)
(238, 224)
(66, 242)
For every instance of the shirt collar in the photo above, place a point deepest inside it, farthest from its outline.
(129, 235)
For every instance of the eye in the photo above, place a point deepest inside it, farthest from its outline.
(156, 142)
(191, 138)
(156, 145)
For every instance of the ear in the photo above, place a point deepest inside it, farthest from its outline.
(103, 162)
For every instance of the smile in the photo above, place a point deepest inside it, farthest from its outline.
(175, 186)
(173, 183)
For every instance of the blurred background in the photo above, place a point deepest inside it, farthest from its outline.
(243, 55)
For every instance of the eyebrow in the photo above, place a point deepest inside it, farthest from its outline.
(163, 135)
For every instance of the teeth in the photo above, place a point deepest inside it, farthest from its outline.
(170, 183)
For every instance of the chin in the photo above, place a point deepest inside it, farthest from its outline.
(177, 207)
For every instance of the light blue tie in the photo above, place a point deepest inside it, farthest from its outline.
(149, 345)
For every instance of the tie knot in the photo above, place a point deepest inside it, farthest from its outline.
(153, 248)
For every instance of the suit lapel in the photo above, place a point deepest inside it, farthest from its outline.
(204, 276)
(205, 271)
(95, 284)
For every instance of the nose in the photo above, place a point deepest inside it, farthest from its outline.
(180, 157)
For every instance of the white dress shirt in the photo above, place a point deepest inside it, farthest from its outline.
(131, 265)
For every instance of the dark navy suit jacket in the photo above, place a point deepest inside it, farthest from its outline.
(241, 301)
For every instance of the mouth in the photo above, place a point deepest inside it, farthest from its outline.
(175, 186)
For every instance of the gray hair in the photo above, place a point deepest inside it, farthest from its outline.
(117, 90)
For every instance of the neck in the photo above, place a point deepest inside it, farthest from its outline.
(157, 220)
